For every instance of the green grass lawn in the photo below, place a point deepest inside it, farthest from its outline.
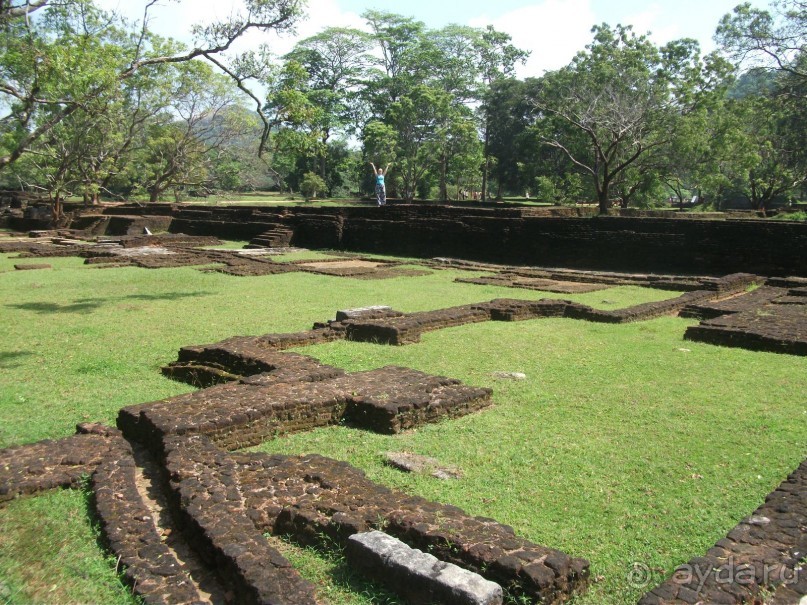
(619, 446)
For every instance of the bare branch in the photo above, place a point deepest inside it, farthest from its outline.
(21, 10)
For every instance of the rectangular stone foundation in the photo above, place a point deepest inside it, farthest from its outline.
(318, 500)
(233, 416)
(777, 328)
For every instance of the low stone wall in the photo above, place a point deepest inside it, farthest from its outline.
(407, 329)
(518, 236)
(44, 465)
(209, 494)
(129, 530)
(315, 499)
(239, 356)
(233, 416)
(533, 283)
(764, 553)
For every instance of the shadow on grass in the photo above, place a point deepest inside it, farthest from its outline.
(8, 359)
(341, 574)
(86, 305)
(163, 296)
(51, 308)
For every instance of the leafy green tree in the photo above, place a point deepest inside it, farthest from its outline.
(407, 58)
(203, 117)
(774, 39)
(511, 138)
(456, 64)
(56, 64)
(335, 62)
(497, 61)
(619, 102)
(311, 185)
(775, 118)
(775, 166)
(413, 133)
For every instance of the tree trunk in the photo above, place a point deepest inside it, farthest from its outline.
(443, 183)
(57, 208)
(602, 198)
(485, 165)
(154, 194)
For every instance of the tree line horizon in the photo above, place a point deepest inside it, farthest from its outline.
(96, 106)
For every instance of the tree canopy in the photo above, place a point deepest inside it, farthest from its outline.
(94, 105)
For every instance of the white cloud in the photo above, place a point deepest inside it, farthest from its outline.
(319, 15)
(652, 20)
(553, 30)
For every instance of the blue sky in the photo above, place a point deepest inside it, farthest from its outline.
(552, 30)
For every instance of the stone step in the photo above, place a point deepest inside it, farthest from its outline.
(278, 237)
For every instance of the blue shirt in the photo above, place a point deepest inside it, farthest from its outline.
(379, 179)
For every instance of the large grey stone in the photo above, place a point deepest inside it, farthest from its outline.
(361, 312)
(419, 576)
(415, 463)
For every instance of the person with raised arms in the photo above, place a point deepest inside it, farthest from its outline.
(380, 187)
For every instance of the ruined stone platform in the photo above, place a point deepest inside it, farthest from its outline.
(315, 499)
(49, 464)
(744, 301)
(530, 277)
(533, 283)
(235, 357)
(777, 328)
(237, 415)
(762, 555)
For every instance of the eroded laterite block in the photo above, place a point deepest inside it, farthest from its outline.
(258, 408)
(318, 500)
(36, 467)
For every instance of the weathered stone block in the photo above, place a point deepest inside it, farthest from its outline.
(419, 576)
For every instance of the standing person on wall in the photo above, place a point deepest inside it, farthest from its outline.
(380, 188)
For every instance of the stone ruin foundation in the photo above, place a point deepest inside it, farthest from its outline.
(166, 250)
(186, 512)
(176, 500)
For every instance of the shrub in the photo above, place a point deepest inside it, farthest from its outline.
(311, 185)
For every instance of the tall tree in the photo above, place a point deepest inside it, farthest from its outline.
(202, 118)
(497, 60)
(56, 64)
(335, 61)
(412, 132)
(618, 103)
(774, 39)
